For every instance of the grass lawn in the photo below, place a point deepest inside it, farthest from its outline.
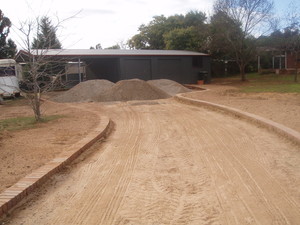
(256, 83)
(20, 123)
(282, 88)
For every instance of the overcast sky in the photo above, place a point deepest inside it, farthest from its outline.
(100, 21)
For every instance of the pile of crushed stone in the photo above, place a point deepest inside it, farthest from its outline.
(84, 91)
(128, 90)
(169, 86)
(125, 90)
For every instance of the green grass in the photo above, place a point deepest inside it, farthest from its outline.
(282, 83)
(21, 123)
(257, 83)
(270, 77)
(281, 88)
(253, 76)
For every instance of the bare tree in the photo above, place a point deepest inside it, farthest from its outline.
(41, 72)
(249, 16)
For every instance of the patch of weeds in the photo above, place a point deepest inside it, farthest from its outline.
(20, 123)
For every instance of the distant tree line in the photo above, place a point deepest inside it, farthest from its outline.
(233, 32)
(181, 32)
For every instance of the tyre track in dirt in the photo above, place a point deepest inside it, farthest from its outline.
(252, 176)
(118, 176)
(125, 178)
(169, 163)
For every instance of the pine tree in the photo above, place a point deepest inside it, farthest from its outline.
(46, 36)
(7, 49)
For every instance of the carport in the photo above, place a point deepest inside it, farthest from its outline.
(114, 65)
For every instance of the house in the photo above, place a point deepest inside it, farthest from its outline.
(185, 67)
(277, 60)
(292, 60)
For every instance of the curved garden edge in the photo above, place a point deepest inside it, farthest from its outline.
(280, 129)
(14, 194)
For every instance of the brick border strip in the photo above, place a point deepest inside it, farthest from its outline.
(14, 194)
(289, 133)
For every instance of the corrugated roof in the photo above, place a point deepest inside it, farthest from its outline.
(116, 52)
(7, 61)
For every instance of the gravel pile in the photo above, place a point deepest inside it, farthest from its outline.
(135, 89)
(84, 91)
(169, 86)
(125, 90)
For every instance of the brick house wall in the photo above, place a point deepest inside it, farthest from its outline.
(291, 61)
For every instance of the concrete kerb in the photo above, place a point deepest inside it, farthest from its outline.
(14, 194)
(280, 129)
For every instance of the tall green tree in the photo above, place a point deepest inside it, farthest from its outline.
(223, 29)
(189, 33)
(46, 35)
(7, 47)
(244, 18)
(151, 35)
(184, 32)
(182, 39)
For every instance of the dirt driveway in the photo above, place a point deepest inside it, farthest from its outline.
(169, 163)
(282, 108)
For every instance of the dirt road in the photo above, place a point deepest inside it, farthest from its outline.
(282, 108)
(169, 163)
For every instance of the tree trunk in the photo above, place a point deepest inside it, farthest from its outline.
(37, 107)
(296, 74)
(36, 103)
(242, 71)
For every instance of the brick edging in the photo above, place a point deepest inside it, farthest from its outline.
(14, 194)
(287, 132)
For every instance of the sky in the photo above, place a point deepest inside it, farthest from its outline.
(86, 23)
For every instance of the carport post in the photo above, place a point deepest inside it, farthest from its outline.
(79, 74)
(285, 58)
(280, 62)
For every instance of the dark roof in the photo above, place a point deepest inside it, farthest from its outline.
(112, 52)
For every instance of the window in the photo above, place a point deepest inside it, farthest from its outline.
(7, 71)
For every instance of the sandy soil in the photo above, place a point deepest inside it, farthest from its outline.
(282, 108)
(23, 151)
(169, 163)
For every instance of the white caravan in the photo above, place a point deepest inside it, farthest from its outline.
(10, 74)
